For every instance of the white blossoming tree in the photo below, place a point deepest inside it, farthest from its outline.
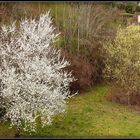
(33, 81)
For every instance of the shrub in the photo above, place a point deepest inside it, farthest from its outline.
(138, 9)
(34, 83)
(122, 59)
(130, 8)
(82, 70)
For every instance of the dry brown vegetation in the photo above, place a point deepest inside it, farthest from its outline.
(85, 29)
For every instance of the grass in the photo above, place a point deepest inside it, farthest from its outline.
(89, 116)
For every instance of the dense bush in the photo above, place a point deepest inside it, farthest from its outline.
(33, 82)
(83, 71)
(138, 9)
(130, 8)
(122, 59)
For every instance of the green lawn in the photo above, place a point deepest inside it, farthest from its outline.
(88, 116)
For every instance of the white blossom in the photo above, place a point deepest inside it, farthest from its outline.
(33, 82)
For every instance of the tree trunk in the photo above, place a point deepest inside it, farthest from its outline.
(17, 133)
